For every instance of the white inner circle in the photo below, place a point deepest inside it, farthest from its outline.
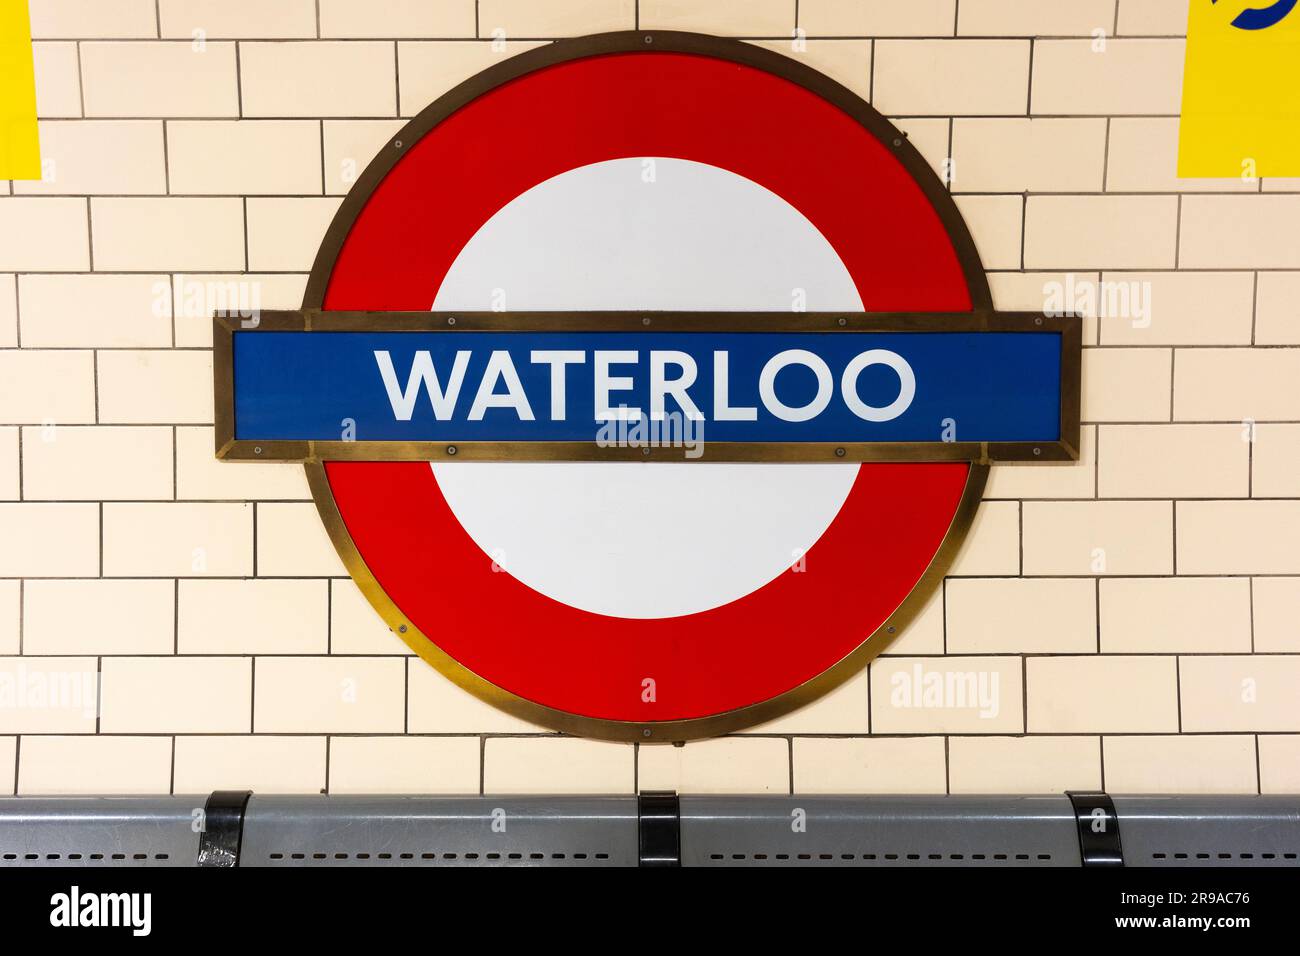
(646, 540)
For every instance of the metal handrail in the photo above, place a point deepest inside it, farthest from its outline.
(238, 829)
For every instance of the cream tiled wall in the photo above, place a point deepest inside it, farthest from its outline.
(171, 623)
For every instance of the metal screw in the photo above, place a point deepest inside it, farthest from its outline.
(843, 321)
(646, 450)
(898, 142)
(451, 320)
(891, 629)
(645, 320)
(401, 629)
(839, 452)
(397, 143)
(1038, 321)
(1038, 451)
(646, 732)
(649, 38)
(257, 450)
(452, 449)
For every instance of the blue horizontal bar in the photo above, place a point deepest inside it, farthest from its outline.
(329, 386)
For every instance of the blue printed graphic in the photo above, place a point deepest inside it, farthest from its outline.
(1260, 18)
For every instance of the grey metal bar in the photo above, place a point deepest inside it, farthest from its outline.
(1210, 830)
(821, 830)
(800, 830)
(100, 831)
(440, 831)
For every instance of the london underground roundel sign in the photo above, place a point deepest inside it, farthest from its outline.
(647, 384)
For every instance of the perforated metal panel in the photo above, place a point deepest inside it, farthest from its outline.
(100, 831)
(878, 831)
(809, 830)
(440, 831)
(1210, 831)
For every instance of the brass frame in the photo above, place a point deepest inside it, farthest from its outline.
(981, 300)
(1065, 448)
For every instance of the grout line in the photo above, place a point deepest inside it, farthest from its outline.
(1173, 524)
(1050, 576)
(324, 187)
(952, 171)
(1020, 538)
(1178, 689)
(1251, 434)
(870, 668)
(1178, 232)
(943, 610)
(1029, 97)
(167, 173)
(801, 735)
(90, 235)
(1234, 189)
(1254, 308)
(18, 437)
(1024, 227)
(1105, 158)
(1096, 609)
(1096, 462)
(1128, 40)
(888, 656)
(81, 85)
(871, 80)
(1024, 694)
(1250, 591)
(1006, 191)
(1173, 379)
(239, 82)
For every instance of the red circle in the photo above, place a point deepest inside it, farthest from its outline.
(686, 106)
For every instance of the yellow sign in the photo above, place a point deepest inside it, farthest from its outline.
(20, 151)
(1241, 90)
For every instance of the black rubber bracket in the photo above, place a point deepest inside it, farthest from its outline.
(1099, 842)
(659, 828)
(223, 828)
